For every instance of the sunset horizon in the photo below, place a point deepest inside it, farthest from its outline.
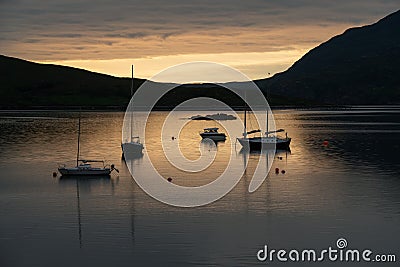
(259, 39)
(253, 133)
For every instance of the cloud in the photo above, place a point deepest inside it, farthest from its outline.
(117, 29)
(257, 65)
(132, 35)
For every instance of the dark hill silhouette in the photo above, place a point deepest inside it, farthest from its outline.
(360, 66)
(27, 84)
(31, 85)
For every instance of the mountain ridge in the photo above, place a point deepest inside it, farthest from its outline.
(362, 64)
(359, 66)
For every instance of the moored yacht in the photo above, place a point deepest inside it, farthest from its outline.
(133, 146)
(84, 167)
(269, 140)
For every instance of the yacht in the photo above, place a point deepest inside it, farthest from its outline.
(84, 167)
(269, 140)
(132, 146)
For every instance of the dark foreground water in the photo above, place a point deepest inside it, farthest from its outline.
(348, 189)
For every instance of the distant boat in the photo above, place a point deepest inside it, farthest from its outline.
(132, 146)
(269, 140)
(83, 167)
(200, 118)
(217, 117)
(213, 134)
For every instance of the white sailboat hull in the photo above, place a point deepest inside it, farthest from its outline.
(132, 148)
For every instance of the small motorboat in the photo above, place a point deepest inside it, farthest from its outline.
(213, 134)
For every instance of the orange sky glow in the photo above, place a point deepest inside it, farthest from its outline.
(256, 37)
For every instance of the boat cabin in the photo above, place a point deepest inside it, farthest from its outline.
(211, 130)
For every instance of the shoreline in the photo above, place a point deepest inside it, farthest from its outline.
(120, 108)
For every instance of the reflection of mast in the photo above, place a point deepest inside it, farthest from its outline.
(244, 162)
(132, 206)
(286, 152)
(267, 183)
(79, 213)
(79, 137)
(246, 156)
(133, 220)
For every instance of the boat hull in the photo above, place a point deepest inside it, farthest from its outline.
(214, 137)
(132, 148)
(83, 172)
(259, 143)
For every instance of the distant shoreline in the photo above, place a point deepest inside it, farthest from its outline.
(120, 108)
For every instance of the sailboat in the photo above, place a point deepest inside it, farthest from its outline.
(269, 140)
(83, 166)
(132, 146)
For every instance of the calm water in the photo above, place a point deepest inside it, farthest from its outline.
(350, 189)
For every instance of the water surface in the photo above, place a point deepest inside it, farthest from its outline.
(349, 188)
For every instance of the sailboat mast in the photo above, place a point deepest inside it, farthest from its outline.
(266, 133)
(132, 83)
(267, 126)
(131, 97)
(79, 137)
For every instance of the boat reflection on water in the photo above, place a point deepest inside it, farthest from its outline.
(87, 180)
(276, 152)
(132, 156)
(209, 144)
(255, 168)
(85, 183)
(132, 160)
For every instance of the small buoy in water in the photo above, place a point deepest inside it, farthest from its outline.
(169, 179)
(325, 143)
(277, 170)
(283, 171)
(54, 174)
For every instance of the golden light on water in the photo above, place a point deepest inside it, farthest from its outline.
(193, 148)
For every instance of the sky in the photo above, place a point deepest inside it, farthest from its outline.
(258, 37)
